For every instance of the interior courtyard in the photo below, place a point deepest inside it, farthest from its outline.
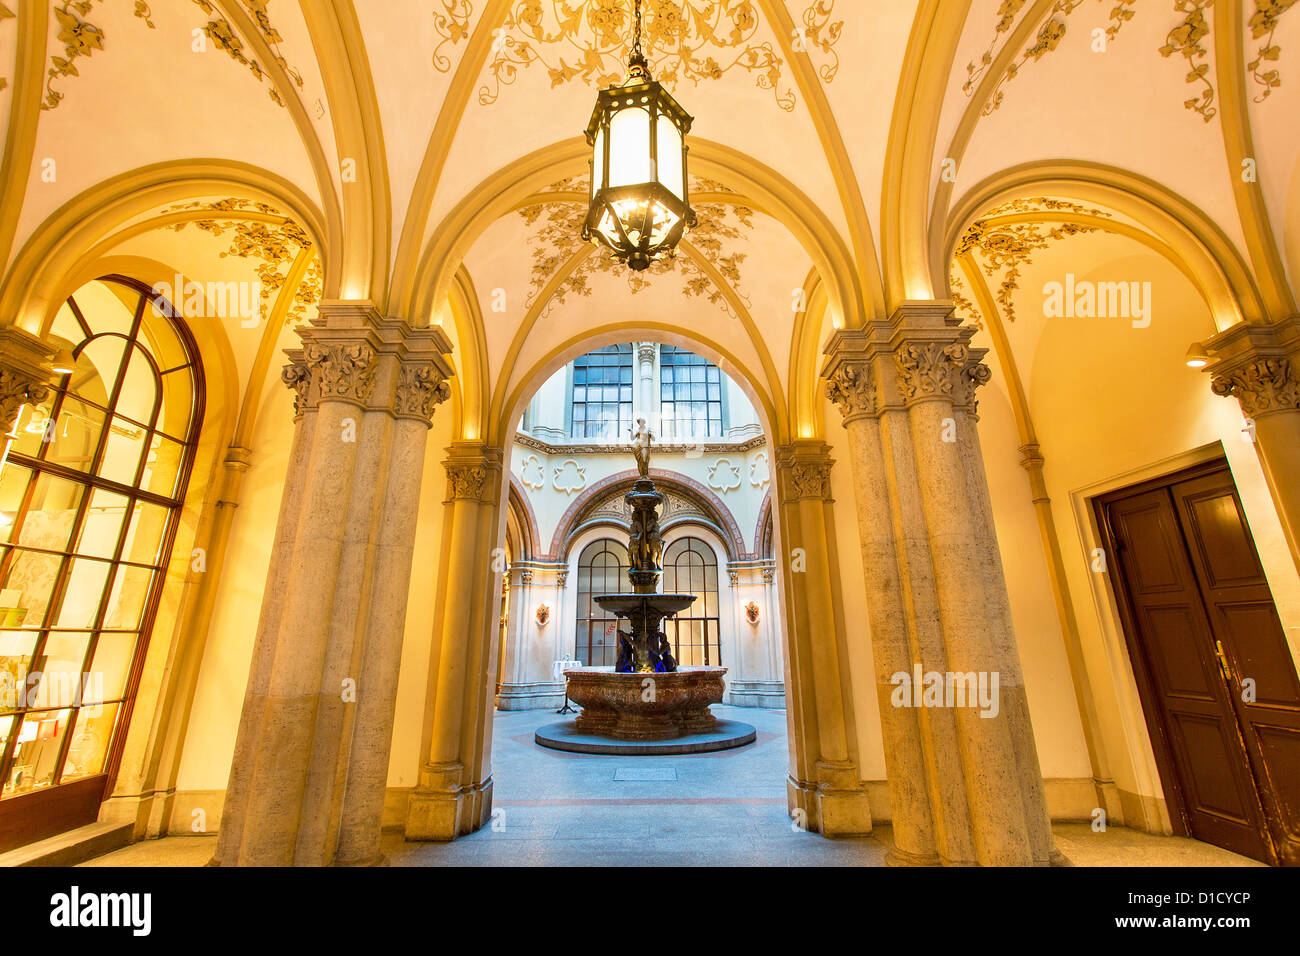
(968, 381)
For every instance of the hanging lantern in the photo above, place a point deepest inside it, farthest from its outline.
(639, 208)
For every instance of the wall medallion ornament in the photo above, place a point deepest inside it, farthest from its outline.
(1263, 386)
(724, 476)
(533, 473)
(420, 389)
(760, 471)
(852, 388)
(570, 477)
(930, 370)
(751, 612)
(543, 615)
(345, 372)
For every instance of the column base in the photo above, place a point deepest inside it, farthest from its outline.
(830, 811)
(764, 694)
(545, 695)
(442, 815)
(897, 857)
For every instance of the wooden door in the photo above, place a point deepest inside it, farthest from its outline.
(1200, 621)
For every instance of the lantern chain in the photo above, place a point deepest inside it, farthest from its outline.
(636, 36)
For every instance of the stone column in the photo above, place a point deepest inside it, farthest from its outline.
(323, 675)
(24, 374)
(645, 362)
(1259, 365)
(965, 788)
(824, 787)
(454, 793)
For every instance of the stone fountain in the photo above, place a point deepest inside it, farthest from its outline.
(646, 704)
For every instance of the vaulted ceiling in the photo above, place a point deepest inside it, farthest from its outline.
(426, 153)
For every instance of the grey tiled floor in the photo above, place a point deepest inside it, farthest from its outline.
(726, 809)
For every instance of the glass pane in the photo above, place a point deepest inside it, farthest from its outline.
(16, 648)
(50, 514)
(162, 466)
(144, 536)
(125, 445)
(97, 367)
(82, 596)
(13, 486)
(59, 682)
(126, 603)
(177, 404)
(103, 524)
(71, 440)
(139, 391)
(40, 736)
(160, 338)
(26, 588)
(88, 748)
(110, 668)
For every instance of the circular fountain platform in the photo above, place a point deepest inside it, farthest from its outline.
(725, 735)
(645, 713)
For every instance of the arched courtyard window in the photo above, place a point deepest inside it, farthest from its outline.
(602, 393)
(90, 497)
(691, 567)
(602, 569)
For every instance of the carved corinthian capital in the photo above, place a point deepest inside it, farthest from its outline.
(852, 387)
(974, 375)
(296, 376)
(1263, 386)
(420, 389)
(17, 390)
(342, 371)
(472, 480)
(931, 370)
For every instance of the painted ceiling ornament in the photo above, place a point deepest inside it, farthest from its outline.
(80, 38)
(5, 14)
(272, 243)
(220, 32)
(586, 41)
(639, 207)
(1185, 40)
(1010, 246)
(1262, 24)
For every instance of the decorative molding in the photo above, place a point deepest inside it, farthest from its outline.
(805, 471)
(297, 377)
(575, 477)
(341, 371)
(620, 448)
(686, 40)
(421, 387)
(974, 375)
(17, 390)
(852, 388)
(1185, 40)
(471, 481)
(537, 480)
(760, 470)
(1263, 386)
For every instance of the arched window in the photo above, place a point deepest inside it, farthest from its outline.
(602, 393)
(690, 395)
(691, 567)
(602, 569)
(90, 496)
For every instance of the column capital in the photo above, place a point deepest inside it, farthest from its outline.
(351, 353)
(25, 372)
(1258, 365)
(473, 472)
(804, 470)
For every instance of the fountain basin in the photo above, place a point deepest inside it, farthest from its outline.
(646, 707)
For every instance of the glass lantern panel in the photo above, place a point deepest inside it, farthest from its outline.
(670, 157)
(629, 147)
(598, 163)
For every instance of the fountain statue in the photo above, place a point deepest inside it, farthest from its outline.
(647, 697)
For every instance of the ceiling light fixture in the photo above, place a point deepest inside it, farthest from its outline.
(640, 207)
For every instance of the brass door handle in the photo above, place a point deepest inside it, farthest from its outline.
(1223, 659)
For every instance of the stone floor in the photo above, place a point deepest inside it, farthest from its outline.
(724, 809)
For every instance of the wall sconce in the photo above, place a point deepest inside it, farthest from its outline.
(543, 615)
(751, 612)
(1197, 357)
